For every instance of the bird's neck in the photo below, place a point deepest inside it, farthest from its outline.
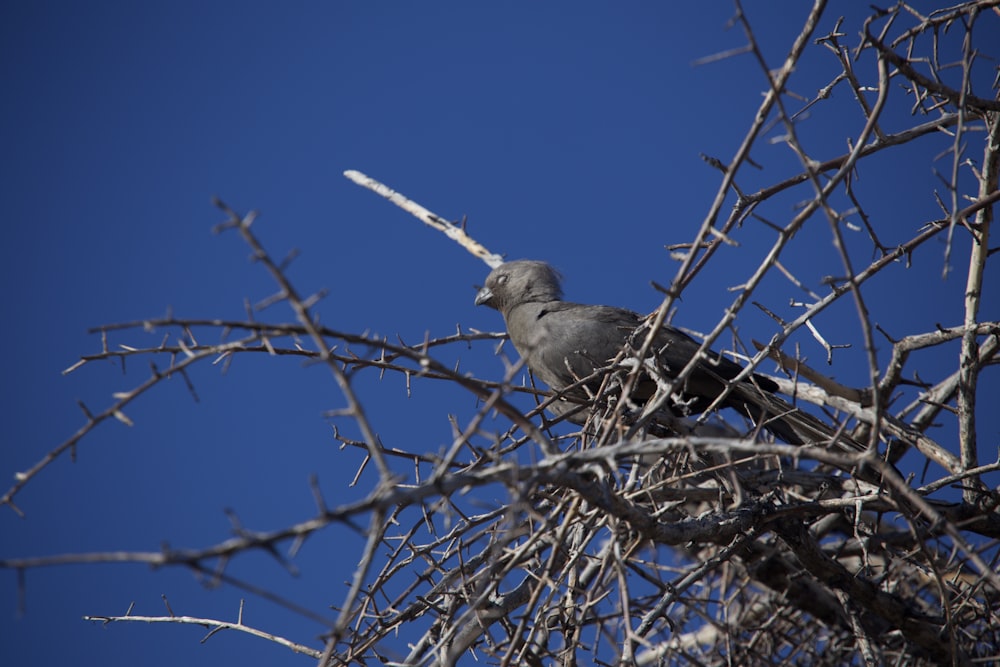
(528, 309)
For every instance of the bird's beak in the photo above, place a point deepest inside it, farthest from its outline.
(484, 296)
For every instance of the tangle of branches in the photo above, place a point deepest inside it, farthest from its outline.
(613, 545)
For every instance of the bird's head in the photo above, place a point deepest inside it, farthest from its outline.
(517, 282)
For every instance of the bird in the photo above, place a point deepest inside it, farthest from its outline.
(563, 343)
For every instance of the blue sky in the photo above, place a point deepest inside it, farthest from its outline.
(565, 132)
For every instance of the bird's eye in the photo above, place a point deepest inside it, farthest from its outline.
(502, 278)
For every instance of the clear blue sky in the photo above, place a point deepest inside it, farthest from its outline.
(564, 131)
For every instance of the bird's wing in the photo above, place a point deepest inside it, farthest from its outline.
(565, 341)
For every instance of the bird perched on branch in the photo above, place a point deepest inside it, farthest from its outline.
(564, 343)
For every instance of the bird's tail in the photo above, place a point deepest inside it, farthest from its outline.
(789, 423)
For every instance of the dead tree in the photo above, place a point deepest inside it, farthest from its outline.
(615, 543)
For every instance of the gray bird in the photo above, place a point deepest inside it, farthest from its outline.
(564, 342)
